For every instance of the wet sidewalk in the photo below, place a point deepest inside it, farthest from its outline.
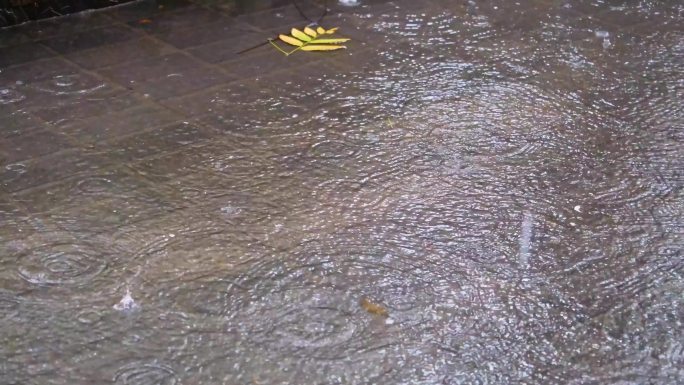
(504, 179)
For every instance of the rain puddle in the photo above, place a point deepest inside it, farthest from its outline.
(475, 192)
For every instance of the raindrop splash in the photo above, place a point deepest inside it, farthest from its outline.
(526, 232)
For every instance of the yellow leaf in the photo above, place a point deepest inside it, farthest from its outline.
(320, 30)
(290, 40)
(329, 41)
(310, 32)
(331, 30)
(300, 35)
(321, 47)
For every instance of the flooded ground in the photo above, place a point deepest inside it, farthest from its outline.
(474, 192)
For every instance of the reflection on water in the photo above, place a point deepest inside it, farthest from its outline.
(490, 194)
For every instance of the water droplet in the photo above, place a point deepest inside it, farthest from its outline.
(127, 303)
(94, 185)
(64, 80)
(89, 317)
(230, 210)
(527, 227)
(16, 168)
(10, 95)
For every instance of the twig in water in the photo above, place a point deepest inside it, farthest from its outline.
(389, 121)
(325, 12)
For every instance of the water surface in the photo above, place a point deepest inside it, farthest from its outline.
(504, 180)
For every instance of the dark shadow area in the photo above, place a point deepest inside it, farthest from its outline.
(14, 12)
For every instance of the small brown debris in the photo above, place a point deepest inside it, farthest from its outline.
(373, 308)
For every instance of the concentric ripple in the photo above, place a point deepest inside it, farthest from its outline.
(10, 95)
(9, 305)
(94, 185)
(216, 298)
(323, 323)
(56, 259)
(60, 264)
(70, 85)
(145, 374)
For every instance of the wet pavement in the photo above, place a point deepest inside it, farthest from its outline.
(504, 180)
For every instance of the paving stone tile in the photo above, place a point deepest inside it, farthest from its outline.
(32, 145)
(203, 34)
(146, 9)
(15, 223)
(164, 169)
(236, 104)
(89, 39)
(358, 60)
(203, 188)
(83, 189)
(8, 210)
(36, 70)
(17, 122)
(227, 124)
(624, 13)
(64, 111)
(200, 103)
(229, 46)
(22, 175)
(155, 142)
(99, 201)
(253, 6)
(206, 171)
(177, 84)
(629, 15)
(458, 7)
(302, 85)
(187, 17)
(61, 90)
(67, 25)
(80, 82)
(13, 36)
(276, 18)
(117, 124)
(513, 16)
(22, 53)
(151, 68)
(662, 27)
(254, 64)
(11, 100)
(119, 53)
(375, 7)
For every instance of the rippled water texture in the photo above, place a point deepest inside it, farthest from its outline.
(483, 192)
